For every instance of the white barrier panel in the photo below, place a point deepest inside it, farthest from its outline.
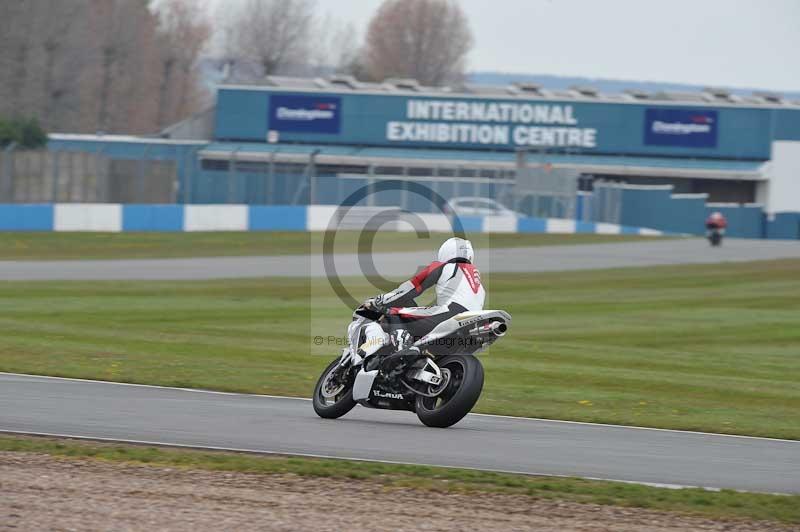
(436, 223)
(607, 229)
(318, 217)
(499, 224)
(651, 232)
(557, 225)
(87, 217)
(215, 218)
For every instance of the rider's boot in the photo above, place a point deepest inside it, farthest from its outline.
(395, 361)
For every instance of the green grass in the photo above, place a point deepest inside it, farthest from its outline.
(55, 246)
(684, 347)
(724, 504)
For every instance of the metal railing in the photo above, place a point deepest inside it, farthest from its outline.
(44, 176)
(533, 188)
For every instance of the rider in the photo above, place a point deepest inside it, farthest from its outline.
(716, 221)
(458, 289)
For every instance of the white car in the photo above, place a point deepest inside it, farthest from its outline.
(478, 206)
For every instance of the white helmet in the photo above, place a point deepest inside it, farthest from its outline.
(456, 248)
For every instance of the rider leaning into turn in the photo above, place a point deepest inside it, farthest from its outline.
(458, 289)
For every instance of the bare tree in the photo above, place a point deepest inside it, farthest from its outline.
(89, 65)
(183, 32)
(272, 33)
(423, 39)
(17, 39)
(336, 47)
(42, 56)
(61, 59)
(117, 25)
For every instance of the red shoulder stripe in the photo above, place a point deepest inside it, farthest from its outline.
(418, 279)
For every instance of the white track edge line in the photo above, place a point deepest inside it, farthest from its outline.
(194, 390)
(499, 416)
(372, 460)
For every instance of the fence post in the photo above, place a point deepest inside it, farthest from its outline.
(371, 185)
(41, 177)
(404, 192)
(232, 176)
(270, 199)
(186, 178)
(105, 165)
(312, 177)
(139, 189)
(54, 177)
(6, 194)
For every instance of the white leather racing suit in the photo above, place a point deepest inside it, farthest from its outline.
(458, 289)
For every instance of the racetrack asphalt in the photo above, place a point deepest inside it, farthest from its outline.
(532, 259)
(195, 418)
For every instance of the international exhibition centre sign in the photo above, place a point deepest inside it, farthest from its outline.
(487, 123)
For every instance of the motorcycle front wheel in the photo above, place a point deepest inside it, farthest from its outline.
(333, 394)
(461, 392)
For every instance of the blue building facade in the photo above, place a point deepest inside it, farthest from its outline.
(676, 159)
(710, 130)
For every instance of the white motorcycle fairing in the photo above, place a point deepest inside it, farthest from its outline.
(363, 384)
(484, 321)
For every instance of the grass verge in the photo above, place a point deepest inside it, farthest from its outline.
(699, 502)
(58, 246)
(682, 347)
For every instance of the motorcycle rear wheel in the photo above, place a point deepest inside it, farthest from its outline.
(459, 396)
(328, 402)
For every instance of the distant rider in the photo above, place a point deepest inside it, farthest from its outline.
(717, 221)
(458, 289)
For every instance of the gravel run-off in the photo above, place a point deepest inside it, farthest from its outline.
(40, 492)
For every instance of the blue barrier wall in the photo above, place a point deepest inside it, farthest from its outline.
(26, 217)
(745, 221)
(784, 225)
(221, 186)
(278, 218)
(152, 217)
(658, 208)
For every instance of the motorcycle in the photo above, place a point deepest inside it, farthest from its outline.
(714, 235)
(441, 385)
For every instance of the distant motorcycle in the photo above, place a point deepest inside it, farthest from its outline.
(715, 235)
(441, 386)
(715, 228)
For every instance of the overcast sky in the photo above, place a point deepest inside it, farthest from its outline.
(735, 43)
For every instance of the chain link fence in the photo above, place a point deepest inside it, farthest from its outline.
(528, 186)
(44, 176)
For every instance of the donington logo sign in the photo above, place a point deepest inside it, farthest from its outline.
(304, 114)
(692, 128)
(503, 123)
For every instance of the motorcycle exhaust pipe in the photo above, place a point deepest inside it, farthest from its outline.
(499, 328)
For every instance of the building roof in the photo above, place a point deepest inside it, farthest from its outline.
(410, 87)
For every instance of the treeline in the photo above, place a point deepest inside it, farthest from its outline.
(20, 132)
(132, 66)
(101, 65)
(427, 40)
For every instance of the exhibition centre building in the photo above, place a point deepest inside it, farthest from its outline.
(659, 160)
